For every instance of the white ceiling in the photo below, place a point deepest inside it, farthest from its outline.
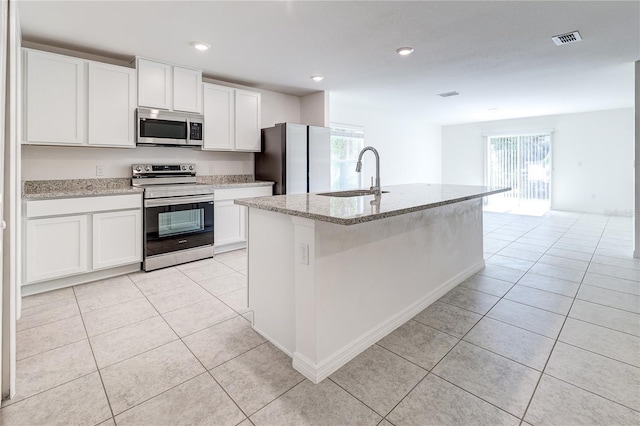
(496, 54)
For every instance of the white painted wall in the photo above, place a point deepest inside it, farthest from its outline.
(47, 162)
(409, 147)
(314, 109)
(592, 157)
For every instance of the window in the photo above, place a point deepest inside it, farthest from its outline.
(346, 144)
(522, 162)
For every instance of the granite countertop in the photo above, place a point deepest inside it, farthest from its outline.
(68, 188)
(401, 199)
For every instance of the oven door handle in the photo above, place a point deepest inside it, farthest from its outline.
(174, 201)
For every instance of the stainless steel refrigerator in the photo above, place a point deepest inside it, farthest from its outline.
(296, 157)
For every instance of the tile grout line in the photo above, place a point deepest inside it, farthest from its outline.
(356, 398)
(430, 371)
(591, 392)
(558, 337)
(192, 354)
(198, 359)
(481, 318)
(95, 361)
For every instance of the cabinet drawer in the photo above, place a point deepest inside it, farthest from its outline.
(62, 206)
(233, 193)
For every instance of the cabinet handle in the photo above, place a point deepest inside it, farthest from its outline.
(182, 241)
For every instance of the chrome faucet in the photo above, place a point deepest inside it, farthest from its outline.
(375, 187)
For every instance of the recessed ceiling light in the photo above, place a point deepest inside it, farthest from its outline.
(448, 94)
(200, 46)
(317, 77)
(404, 51)
(492, 110)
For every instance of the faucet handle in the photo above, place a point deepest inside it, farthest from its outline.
(371, 181)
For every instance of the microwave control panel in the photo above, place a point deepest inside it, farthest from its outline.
(196, 132)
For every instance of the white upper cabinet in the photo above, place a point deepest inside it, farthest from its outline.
(247, 121)
(165, 86)
(231, 119)
(71, 101)
(187, 90)
(219, 117)
(54, 95)
(154, 84)
(112, 104)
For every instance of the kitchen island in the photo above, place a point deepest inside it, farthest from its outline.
(330, 275)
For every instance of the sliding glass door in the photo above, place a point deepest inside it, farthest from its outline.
(522, 162)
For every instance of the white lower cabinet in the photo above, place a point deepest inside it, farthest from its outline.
(229, 223)
(56, 247)
(75, 237)
(117, 238)
(230, 229)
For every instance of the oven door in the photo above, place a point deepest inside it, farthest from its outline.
(178, 223)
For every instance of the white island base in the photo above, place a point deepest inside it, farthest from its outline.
(323, 292)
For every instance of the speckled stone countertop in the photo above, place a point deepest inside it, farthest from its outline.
(231, 181)
(401, 199)
(68, 188)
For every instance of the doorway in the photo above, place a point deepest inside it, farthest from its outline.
(522, 162)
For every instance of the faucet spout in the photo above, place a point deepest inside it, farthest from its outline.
(376, 187)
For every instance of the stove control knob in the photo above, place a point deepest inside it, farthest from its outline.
(138, 169)
(147, 169)
(190, 167)
(184, 167)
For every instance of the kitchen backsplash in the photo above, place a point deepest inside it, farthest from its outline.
(55, 162)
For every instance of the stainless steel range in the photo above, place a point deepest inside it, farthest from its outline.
(178, 214)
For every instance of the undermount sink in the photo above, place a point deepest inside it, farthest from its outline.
(351, 193)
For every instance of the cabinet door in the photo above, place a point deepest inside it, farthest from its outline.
(117, 238)
(219, 117)
(247, 121)
(154, 84)
(111, 105)
(229, 223)
(56, 247)
(54, 94)
(187, 90)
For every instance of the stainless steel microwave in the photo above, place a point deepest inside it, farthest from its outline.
(168, 128)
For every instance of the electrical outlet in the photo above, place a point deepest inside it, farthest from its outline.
(303, 253)
(211, 168)
(100, 170)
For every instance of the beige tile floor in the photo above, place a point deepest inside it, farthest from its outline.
(547, 334)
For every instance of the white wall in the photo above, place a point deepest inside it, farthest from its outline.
(314, 109)
(53, 162)
(592, 157)
(409, 147)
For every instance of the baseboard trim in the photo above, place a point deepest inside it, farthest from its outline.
(320, 371)
(30, 289)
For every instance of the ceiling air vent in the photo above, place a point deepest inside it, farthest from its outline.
(567, 38)
(447, 94)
